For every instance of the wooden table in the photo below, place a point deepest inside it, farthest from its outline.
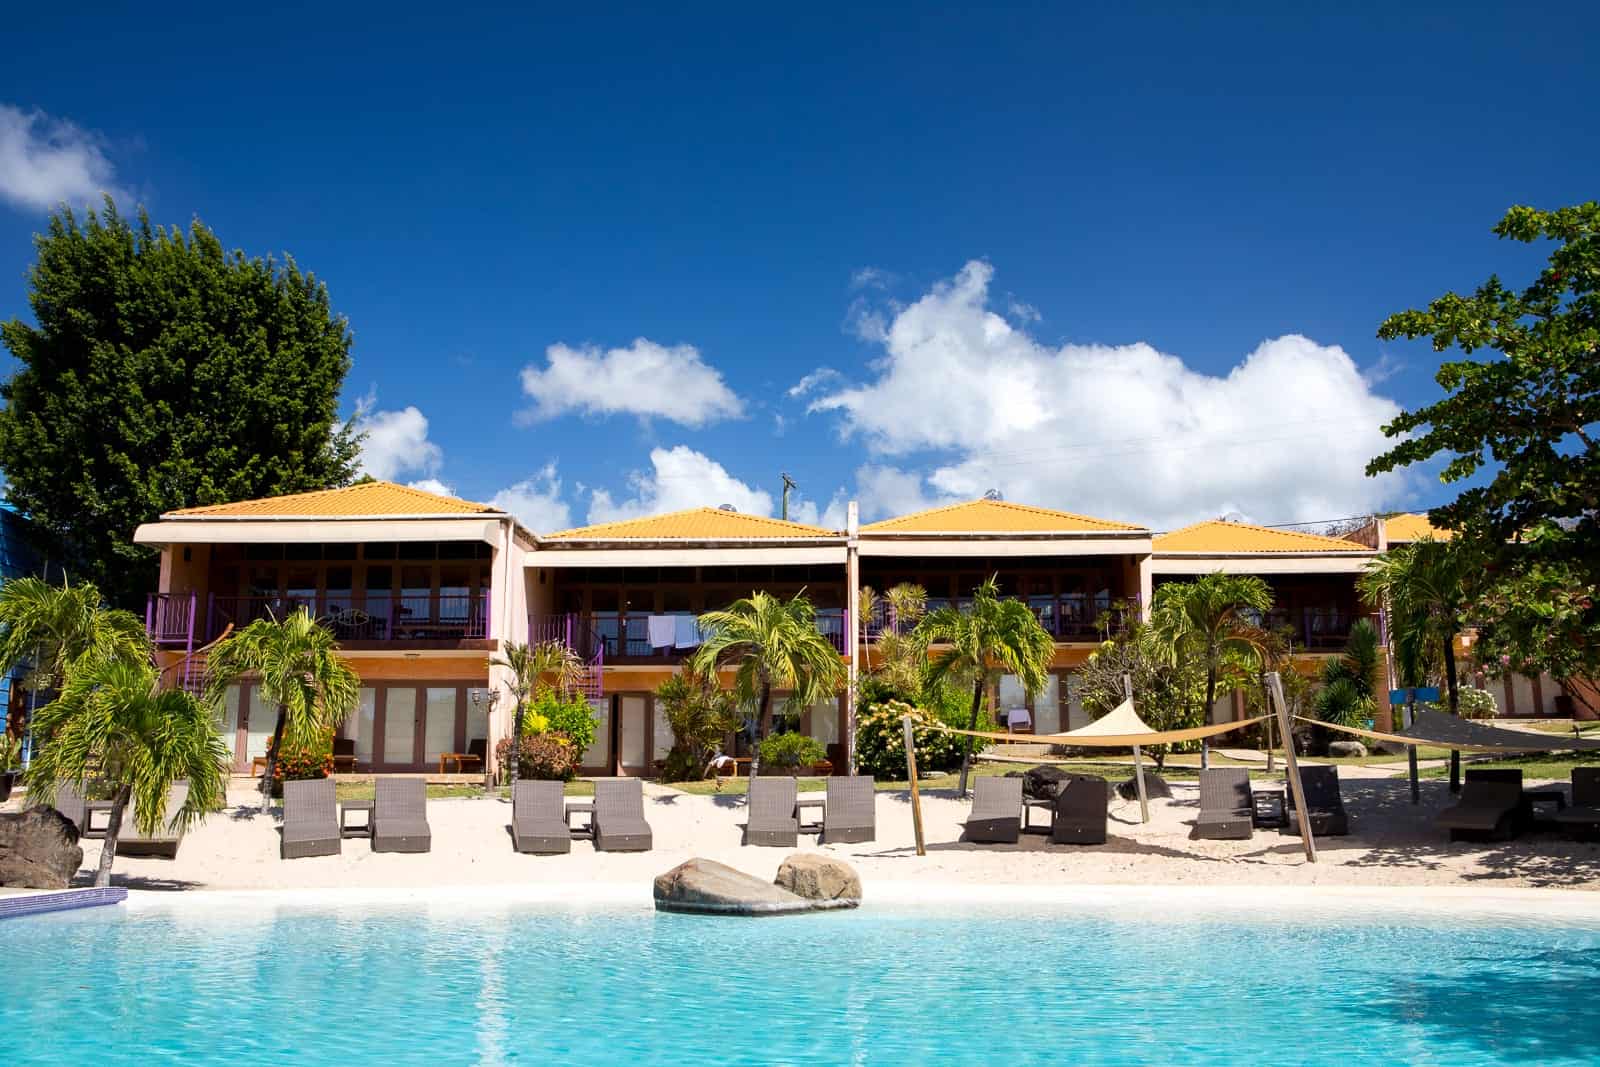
(460, 759)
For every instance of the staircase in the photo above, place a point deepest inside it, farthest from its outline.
(591, 684)
(189, 673)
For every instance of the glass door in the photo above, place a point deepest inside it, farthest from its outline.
(439, 731)
(634, 730)
(399, 728)
(597, 759)
(263, 716)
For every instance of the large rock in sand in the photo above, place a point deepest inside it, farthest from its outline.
(1347, 749)
(38, 849)
(1044, 783)
(814, 877)
(1155, 788)
(711, 888)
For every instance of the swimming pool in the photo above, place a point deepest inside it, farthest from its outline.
(253, 982)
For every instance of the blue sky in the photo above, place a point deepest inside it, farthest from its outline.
(1124, 263)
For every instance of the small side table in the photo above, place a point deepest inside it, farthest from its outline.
(586, 831)
(90, 810)
(364, 829)
(460, 759)
(800, 818)
(1030, 806)
(1270, 811)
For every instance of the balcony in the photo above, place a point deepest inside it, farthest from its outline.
(1072, 617)
(175, 619)
(650, 637)
(1314, 629)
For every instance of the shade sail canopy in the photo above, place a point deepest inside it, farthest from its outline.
(1120, 727)
(1443, 730)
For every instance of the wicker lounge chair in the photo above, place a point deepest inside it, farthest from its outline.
(1081, 810)
(770, 810)
(539, 818)
(1226, 809)
(400, 816)
(851, 812)
(310, 820)
(996, 811)
(1488, 809)
(164, 843)
(70, 803)
(619, 824)
(1324, 805)
(1583, 815)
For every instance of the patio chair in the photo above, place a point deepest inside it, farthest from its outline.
(1227, 811)
(344, 755)
(1324, 806)
(619, 824)
(1081, 812)
(996, 816)
(1582, 816)
(850, 814)
(771, 817)
(400, 816)
(310, 820)
(1487, 810)
(539, 818)
(165, 841)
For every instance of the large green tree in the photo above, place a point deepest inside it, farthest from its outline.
(1520, 419)
(163, 371)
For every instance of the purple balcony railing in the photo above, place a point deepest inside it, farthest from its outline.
(1070, 617)
(1317, 629)
(632, 635)
(171, 618)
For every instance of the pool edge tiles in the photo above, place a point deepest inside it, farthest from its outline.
(12, 907)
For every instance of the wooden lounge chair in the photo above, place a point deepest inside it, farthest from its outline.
(771, 818)
(310, 820)
(619, 824)
(1324, 806)
(539, 818)
(1582, 816)
(851, 813)
(400, 816)
(1487, 810)
(1081, 811)
(164, 843)
(996, 811)
(1227, 811)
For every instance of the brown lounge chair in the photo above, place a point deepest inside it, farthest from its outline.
(771, 818)
(164, 843)
(539, 818)
(996, 815)
(344, 755)
(1324, 805)
(1227, 811)
(310, 820)
(619, 824)
(400, 816)
(1081, 812)
(1488, 809)
(850, 814)
(1582, 817)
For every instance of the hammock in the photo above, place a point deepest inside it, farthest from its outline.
(1118, 728)
(1440, 729)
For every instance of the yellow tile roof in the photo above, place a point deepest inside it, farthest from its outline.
(363, 500)
(1227, 538)
(1402, 528)
(995, 516)
(694, 524)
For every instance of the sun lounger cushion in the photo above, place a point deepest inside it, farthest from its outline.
(1226, 807)
(1324, 805)
(770, 811)
(1081, 811)
(850, 814)
(310, 820)
(619, 824)
(1487, 808)
(539, 818)
(996, 810)
(400, 816)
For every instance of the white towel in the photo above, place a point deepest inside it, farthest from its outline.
(1018, 717)
(660, 629)
(687, 632)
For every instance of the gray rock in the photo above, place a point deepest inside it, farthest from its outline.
(706, 887)
(38, 849)
(1155, 788)
(814, 877)
(1347, 748)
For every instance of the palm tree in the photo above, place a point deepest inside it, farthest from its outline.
(1212, 616)
(54, 626)
(1426, 588)
(529, 665)
(111, 724)
(296, 661)
(993, 634)
(901, 650)
(1350, 683)
(772, 643)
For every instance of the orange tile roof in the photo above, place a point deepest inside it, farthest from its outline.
(1227, 538)
(996, 516)
(362, 500)
(694, 524)
(1399, 529)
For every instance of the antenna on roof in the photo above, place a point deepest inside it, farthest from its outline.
(1233, 516)
(726, 507)
(992, 494)
(788, 484)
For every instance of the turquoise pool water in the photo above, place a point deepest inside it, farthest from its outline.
(542, 986)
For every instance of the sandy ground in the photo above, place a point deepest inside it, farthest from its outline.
(1391, 843)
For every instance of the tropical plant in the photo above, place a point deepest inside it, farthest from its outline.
(568, 716)
(295, 661)
(881, 743)
(1426, 589)
(111, 724)
(898, 658)
(548, 665)
(790, 752)
(1168, 688)
(10, 752)
(298, 763)
(1348, 696)
(1212, 618)
(701, 714)
(51, 627)
(770, 643)
(993, 634)
(546, 757)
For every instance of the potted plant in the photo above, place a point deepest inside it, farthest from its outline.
(10, 764)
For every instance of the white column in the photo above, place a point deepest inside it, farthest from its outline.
(852, 637)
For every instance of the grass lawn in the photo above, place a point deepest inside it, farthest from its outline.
(1564, 726)
(1546, 765)
(358, 790)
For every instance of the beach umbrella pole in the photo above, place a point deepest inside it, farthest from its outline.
(1411, 750)
(1292, 766)
(911, 773)
(1138, 759)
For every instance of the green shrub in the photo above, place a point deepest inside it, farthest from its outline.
(10, 752)
(1474, 703)
(881, 746)
(548, 757)
(572, 718)
(791, 752)
(701, 714)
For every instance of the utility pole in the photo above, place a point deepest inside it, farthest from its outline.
(788, 484)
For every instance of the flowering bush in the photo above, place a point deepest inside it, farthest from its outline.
(544, 757)
(881, 744)
(1473, 703)
(302, 763)
(571, 718)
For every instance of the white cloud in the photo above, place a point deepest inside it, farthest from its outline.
(871, 278)
(829, 516)
(536, 501)
(813, 381)
(1118, 431)
(644, 379)
(45, 161)
(679, 478)
(396, 442)
(432, 485)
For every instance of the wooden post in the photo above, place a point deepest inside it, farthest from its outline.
(1292, 765)
(1455, 770)
(911, 774)
(1138, 759)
